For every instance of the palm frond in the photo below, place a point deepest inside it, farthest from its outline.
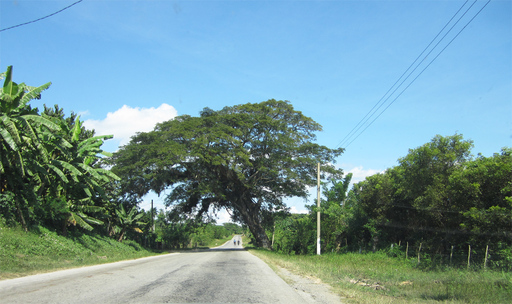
(10, 127)
(34, 93)
(68, 167)
(90, 219)
(10, 93)
(8, 139)
(93, 172)
(92, 209)
(108, 173)
(93, 142)
(43, 121)
(2, 170)
(77, 130)
(59, 172)
(33, 137)
(76, 219)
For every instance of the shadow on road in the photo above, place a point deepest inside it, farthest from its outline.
(207, 250)
(226, 249)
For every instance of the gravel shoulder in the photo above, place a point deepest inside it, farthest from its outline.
(311, 289)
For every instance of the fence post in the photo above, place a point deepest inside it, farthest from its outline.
(419, 250)
(407, 251)
(469, 256)
(486, 255)
(451, 255)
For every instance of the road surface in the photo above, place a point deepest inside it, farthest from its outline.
(227, 274)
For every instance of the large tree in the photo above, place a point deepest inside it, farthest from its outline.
(244, 158)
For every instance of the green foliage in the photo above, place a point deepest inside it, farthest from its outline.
(438, 198)
(295, 234)
(50, 163)
(178, 231)
(128, 220)
(7, 208)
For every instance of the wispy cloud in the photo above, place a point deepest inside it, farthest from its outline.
(127, 121)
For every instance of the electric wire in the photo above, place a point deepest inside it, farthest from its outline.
(346, 141)
(39, 19)
(426, 56)
(383, 99)
(419, 74)
(362, 121)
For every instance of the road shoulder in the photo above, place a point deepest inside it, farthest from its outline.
(311, 289)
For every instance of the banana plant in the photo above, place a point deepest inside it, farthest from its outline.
(44, 158)
(128, 220)
(19, 126)
(75, 170)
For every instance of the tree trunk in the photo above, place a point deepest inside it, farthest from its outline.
(64, 223)
(122, 235)
(250, 215)
(259, 234)
(20, 214)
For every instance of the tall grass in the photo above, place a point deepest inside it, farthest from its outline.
(41, 250)
(378, 278)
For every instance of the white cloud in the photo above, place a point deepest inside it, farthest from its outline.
(126, 121)
(294, 209)
(359, 173)
(223, 217)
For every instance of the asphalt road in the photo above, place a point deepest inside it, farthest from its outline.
(227, 274)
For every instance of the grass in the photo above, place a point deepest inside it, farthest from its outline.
(41, 250)
(378, 278)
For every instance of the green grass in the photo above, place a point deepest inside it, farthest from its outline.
(377, 278)
(41, 250)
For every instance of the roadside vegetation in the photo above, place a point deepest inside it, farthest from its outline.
(379, 278)
(60, 204)
(435, 228)
(42, 250)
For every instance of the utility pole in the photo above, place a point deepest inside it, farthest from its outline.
(152, 218)
(318, 210)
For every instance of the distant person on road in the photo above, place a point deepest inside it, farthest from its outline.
(234, 242)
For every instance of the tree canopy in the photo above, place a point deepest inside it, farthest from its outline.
(245, 158)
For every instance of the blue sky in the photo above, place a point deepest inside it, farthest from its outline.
(125, 65)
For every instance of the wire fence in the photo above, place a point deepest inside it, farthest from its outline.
(461, 256)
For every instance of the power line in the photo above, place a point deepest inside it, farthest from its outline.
(15, 26)
(383, 99)
(346, 140)
(419, 74)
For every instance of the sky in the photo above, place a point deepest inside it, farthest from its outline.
(125, 65)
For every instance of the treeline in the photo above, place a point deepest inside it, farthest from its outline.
(439, 201)
(173, 231)
(52, 174)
